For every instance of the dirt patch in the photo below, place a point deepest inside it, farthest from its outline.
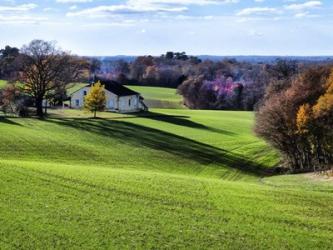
(322, 176)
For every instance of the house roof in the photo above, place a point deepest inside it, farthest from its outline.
(117, 89)
(114, 87)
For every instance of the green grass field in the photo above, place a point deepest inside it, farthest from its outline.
(169, 179)
(158, 97)
(73, 87)
(2, 83)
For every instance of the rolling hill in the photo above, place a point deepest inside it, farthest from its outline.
(160, 97)
(2, 83)
(162, 180)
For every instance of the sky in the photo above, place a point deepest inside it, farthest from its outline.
(198, 27)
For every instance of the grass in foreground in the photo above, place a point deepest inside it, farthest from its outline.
(157, 181)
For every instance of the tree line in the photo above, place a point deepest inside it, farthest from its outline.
(226, 84)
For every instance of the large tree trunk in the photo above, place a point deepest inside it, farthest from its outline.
(39, 107)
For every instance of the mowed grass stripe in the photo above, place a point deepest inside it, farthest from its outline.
(70, 205)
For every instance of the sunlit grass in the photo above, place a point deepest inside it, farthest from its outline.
(167, 179)
(2, 83)
(159, 97)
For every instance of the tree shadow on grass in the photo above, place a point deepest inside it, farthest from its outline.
(160, 140)
(181, 121)
(8, 121)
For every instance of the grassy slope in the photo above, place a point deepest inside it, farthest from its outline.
(179, 141)
(156, 97)
(159, 181)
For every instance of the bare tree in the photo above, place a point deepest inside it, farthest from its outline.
(45, 69)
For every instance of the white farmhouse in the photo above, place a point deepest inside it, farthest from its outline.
(118, 98)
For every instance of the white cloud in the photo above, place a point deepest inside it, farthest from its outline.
(144, 6)
(304, 6)
(21, 19)
(301, 14)
(18, 8)
(74, 1)
(103, 11)
(73, 7)
(115, 22)
(301, 9)
(305, 14)
(18, 14)
(181, 2)
(257, 11)
(48, 9)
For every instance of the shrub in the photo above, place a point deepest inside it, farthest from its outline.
(13, 101)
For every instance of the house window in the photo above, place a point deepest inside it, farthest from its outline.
(129, 102)
(84, 93)
(111, 103)
(77, 102)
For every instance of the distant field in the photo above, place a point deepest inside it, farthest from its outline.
(157, 97)
(169, 179)
(74, 87)
(2, 83)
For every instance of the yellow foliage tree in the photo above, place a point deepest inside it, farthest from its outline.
(303, 118)
(324, 106)
(95, 99)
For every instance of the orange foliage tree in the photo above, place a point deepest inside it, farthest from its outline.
(297, 119)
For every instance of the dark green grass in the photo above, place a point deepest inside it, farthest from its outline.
(169, 179)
